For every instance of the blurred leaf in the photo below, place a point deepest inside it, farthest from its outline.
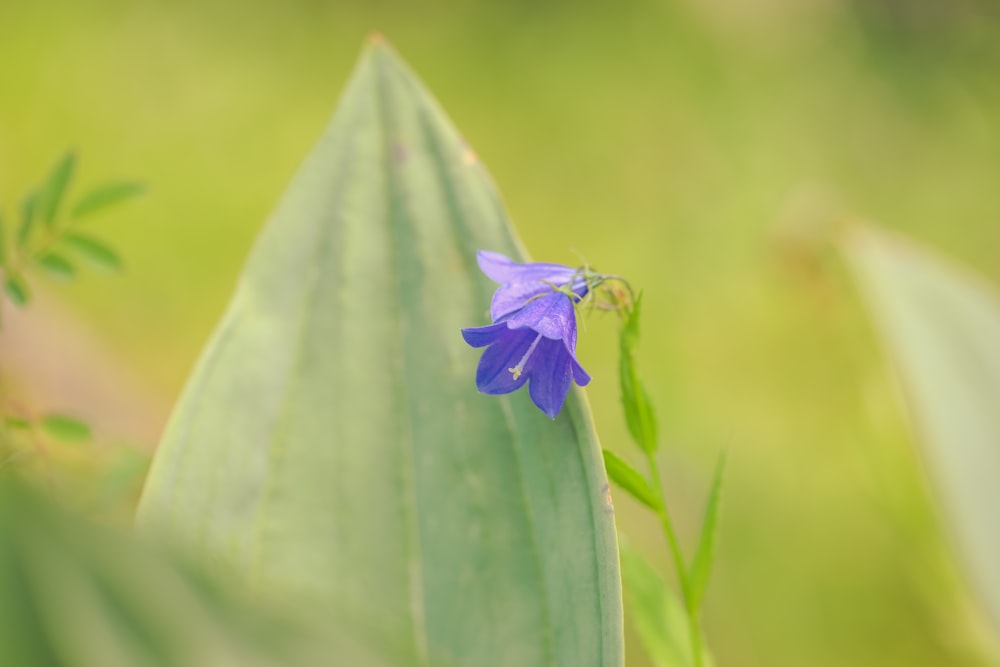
(105, 196)
(630, 480)
(638, 408)
(941, 325)
(17, 422)
(93, 250)
(76, 595)
(655, 612)
(3, 244)
(52, 194)
(701, 567)
(331, 439)
(28, 210)
(57, 265)
(123, 477)
(17, 290)
(65, 428)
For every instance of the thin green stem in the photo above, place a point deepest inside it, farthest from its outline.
(694, 624)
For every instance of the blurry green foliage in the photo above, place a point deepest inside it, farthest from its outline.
(76, 594)
(662, 138)
(45, 247)
(657, 614)
(941, 326)
(65, 428)
(29, 442)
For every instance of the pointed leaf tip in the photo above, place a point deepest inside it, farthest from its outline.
(701, 567)
(361, 395)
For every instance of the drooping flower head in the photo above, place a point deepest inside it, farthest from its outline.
(533, 336)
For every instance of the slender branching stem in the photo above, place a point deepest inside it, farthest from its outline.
(694, 624)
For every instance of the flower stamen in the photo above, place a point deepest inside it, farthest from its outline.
(516, 371)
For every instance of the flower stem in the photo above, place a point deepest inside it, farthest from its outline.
(694, 623)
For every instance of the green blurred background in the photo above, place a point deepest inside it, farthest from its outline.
(695, 146)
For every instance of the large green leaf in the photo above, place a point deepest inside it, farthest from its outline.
(331, 439)
(78, 595)
(941, 325)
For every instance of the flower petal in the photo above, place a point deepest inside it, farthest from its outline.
(493, 376)
(552, 315)
(551, 377)
(483, 336)
(510, 298)
(505, 271)
(580, 376)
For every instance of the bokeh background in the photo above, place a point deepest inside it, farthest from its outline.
(699, 147)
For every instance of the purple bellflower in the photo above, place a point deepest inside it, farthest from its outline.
(533, 335)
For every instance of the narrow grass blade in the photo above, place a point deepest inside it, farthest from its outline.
(701, 567)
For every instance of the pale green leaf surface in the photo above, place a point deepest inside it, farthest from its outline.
(331, 439)
(941, 325)
(78, 595)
